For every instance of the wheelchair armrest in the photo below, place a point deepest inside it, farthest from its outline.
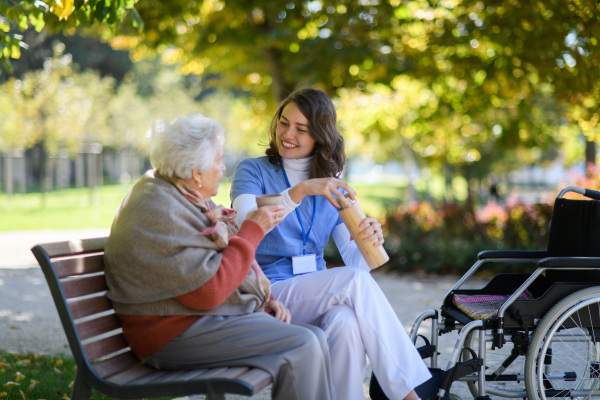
(528, 254)
(570, 262)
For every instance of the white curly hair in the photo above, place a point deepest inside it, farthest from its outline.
(185, 144)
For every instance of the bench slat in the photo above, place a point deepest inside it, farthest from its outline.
(175, 375)
(112, 366)
(105, 347)
(153, 377)
(77, 246)
(232, 373)
(228, 373)
(207, 373)
(257, 378)
(131, 375)
(203, 373)
(84, 286)
(98, 326)
(79, 265)
(90, 306)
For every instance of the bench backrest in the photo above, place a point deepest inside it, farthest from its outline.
(75, 273)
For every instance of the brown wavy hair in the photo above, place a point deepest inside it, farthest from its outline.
(329, 152)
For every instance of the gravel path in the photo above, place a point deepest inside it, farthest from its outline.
(29, 321)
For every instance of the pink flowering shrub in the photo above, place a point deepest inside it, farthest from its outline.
(446, 238)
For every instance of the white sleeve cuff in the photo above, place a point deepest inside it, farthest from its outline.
(288, 204)
(243, 204)
(348, 248)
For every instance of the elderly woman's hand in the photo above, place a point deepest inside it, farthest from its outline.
(371, 231)
(267, 216)
(279, 311)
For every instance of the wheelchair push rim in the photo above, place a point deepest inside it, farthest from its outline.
(563, 360)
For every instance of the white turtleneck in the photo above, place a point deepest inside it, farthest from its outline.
(298, 171)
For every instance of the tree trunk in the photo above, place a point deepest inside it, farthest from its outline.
(8, 174)
(43, 174)
(449, 190)
(21, 166)
(279, 88)
(470, 203)
(590, 157)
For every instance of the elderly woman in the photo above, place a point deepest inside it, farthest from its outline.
(184, 281)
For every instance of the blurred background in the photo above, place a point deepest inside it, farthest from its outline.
(463, 119)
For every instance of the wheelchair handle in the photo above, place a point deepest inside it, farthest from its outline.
(592, 194)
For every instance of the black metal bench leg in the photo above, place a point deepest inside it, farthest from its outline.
(81, 390)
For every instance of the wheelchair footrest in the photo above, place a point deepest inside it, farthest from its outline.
(461, 369)
(440, 379)
(426, 351)
(426, 390)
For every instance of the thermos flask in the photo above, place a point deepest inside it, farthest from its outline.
(352, 216)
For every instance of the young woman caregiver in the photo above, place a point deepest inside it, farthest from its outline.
(303, 162)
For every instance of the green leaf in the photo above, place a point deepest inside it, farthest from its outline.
(37, 21)
(137, 20)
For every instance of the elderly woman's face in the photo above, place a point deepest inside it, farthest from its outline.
(210, 179)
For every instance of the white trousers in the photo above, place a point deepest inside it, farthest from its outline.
(358, 320)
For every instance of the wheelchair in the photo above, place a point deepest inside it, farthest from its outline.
(524, 335)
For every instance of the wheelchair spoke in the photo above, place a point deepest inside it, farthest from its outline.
(563, 360)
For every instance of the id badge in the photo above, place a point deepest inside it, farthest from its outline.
(304, 264)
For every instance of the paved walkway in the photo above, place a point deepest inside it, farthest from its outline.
(29, 321)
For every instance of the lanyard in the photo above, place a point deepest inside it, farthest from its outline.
(314, 213)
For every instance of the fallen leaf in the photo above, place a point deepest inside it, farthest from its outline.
(32, 385)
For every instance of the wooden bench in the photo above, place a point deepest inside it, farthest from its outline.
(74, 271)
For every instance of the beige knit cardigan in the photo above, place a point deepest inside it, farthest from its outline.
(154, 253)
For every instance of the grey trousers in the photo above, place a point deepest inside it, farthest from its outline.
(297, 356)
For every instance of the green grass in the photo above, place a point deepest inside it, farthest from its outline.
(69, 208)
(84, 208)
(30, 376)
(376, 199)
(35, 377)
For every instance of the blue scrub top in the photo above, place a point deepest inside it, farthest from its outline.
(274, 254)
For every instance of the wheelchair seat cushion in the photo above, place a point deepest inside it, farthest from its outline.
(483, 306)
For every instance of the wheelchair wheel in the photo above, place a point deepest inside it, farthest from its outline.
(563, 360)
(508, 363)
